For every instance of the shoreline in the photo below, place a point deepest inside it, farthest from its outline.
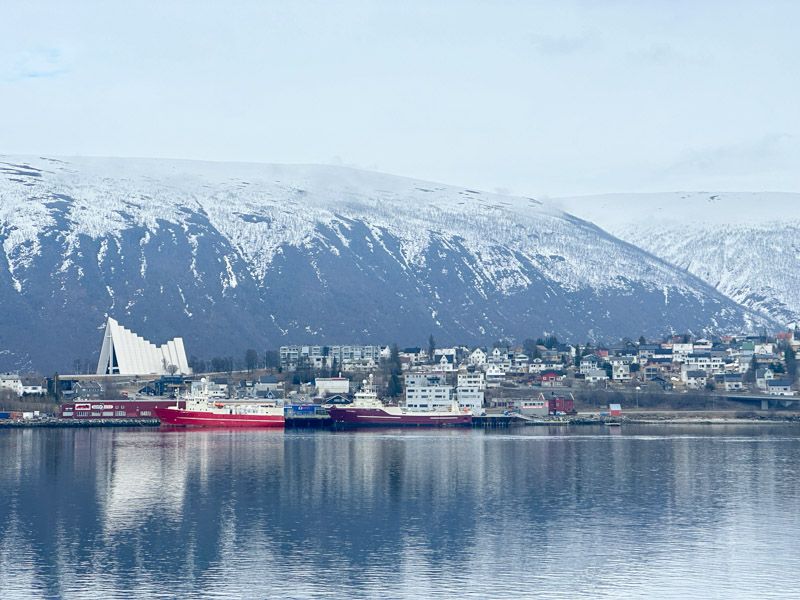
(673, 419)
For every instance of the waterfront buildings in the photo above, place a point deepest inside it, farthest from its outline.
(345, 357)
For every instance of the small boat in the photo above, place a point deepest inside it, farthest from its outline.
(367, 410)
(613, 423)
(199, 410)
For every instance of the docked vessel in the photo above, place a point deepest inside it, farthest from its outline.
(199, 410)
(367, 410)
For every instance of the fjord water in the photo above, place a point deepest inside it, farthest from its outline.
(658, 511)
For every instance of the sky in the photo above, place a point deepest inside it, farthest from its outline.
(543, 99)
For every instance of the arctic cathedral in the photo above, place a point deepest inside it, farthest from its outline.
(125, 353)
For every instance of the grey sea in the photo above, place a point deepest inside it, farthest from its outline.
(631, 512)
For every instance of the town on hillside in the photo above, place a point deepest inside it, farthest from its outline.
(501, 376)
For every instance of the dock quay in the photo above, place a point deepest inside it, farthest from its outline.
(495, 421)
(59, 422)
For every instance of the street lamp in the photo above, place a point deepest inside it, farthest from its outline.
(637, 397)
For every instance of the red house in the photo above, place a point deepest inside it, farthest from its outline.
(559, 404)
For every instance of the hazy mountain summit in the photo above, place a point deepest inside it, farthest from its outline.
(746, 244)
(233, 255)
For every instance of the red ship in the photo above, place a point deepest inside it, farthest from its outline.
(368, 410)
(201, 411)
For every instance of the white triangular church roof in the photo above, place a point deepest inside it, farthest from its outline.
(126, 353)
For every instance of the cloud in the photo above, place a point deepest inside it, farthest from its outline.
(32, 64)
(765, 162)
(563, 45)
(662, 54)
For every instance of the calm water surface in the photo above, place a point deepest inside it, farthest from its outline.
(709, 512)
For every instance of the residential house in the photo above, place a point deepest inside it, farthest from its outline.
(477, 357)
(268, 386)
(595, 376)
(702, 345)
(694, 379)
(536, 366)
(552, 378)
(681, 351)
(88, 389)
(763, 377)
(647, 351)
(621, 372)
(494, 375)
(590, 362)
(780, 387)
(444, 362)
(730, 383)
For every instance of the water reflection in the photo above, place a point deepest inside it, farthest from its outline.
(556, 513)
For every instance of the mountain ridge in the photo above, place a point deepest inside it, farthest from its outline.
(741, 243)
(233, 255)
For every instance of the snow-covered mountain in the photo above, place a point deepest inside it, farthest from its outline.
(233, 256)
(747, 245)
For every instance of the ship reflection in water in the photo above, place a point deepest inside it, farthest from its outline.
(669, 512)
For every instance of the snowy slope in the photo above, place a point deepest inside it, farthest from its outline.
(241, 255)
(747, 245)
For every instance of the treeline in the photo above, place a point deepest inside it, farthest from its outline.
(251, 361)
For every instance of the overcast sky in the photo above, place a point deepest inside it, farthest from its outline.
(542, 99)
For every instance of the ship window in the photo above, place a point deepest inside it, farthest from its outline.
(144, 413)
(119, 413)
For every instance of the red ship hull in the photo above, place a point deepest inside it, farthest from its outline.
(190, 418)
(368, 417)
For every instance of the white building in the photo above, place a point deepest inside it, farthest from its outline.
(125, 353)
(534, 407)
(621, 372)
(681, 351)
(477, 357)
(494, 375)
(11, 381)
(694, 379)
(427, 392)
(467, 379)
(780, 387)
(470, 391)
(332, 385)
(595, 375)
(763, 377)
(589, 363)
